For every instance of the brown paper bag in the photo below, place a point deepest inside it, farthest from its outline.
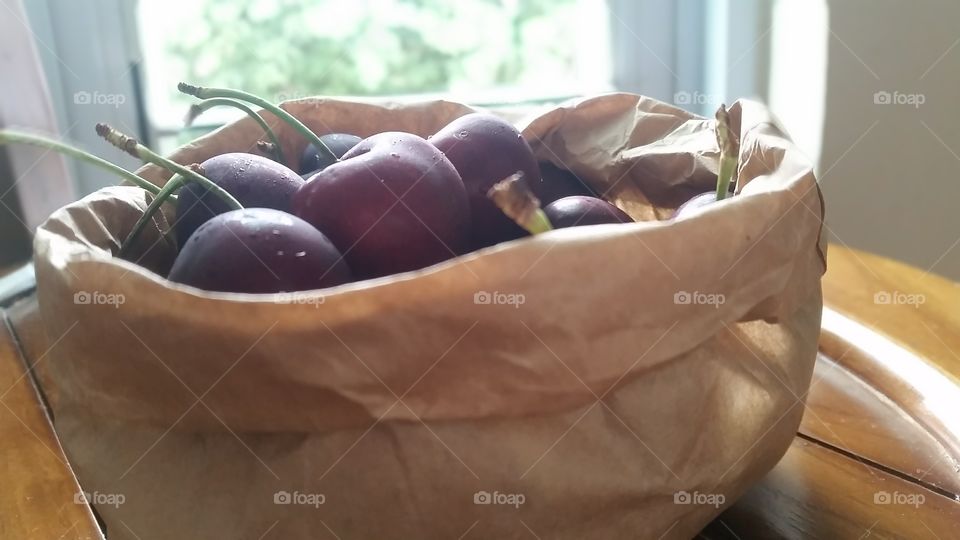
(617, 381)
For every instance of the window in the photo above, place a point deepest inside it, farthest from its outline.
(122, 60)
(478, 51)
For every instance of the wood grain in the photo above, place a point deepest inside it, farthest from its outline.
(37, 499)
(857, 282)
(887, 386)
(32, 339)
(878, 418)
(848, 413)
(818, 493)
(885, 404)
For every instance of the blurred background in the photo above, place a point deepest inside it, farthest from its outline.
(867, 88)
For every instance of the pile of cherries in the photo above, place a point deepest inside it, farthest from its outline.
(356, 208)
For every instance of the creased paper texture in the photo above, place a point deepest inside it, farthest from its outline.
(616, 381)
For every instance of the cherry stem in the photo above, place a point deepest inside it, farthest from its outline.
(139, 151)
(729, 152)
(513, 196)
(198, 108)
(267, 147)
(207, 93)
(9, 136)
(172, 185)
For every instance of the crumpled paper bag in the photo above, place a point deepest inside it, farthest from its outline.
(615, 381)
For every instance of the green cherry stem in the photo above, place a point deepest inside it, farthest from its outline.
(9, 136)
(172, 185)
(208, 93)
(513, 196)
(199, 108)
(139, 151)
(729, 152)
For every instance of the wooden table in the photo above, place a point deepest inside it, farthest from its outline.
(877, 454)
(881, 428)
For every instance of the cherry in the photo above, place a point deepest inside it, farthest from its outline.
(696, 202)
(393, 203)
(580, 210)
(485, 149)
(255, 181)
(259, 250)
(556, 183)
(313, 160)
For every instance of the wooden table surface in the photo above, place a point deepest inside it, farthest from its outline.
(876, 456)
(881, 429)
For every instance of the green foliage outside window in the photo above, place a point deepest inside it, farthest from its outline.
(291, 48)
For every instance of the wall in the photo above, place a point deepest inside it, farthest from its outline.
(90, 62)
(33, 181)
(890, 172)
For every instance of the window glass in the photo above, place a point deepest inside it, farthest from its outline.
(479, 51)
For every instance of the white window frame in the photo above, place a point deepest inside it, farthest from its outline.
(694, 53)
(88, 47)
